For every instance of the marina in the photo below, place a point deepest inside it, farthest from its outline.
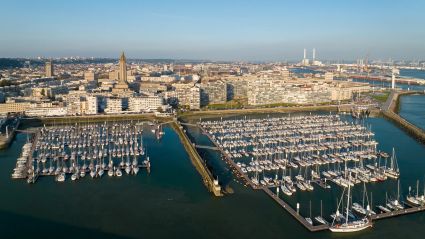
(319, 149)
(288, 203)
(295, 152)
(84, 149)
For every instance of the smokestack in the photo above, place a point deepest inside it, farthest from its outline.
(314, 54)
(305, 53)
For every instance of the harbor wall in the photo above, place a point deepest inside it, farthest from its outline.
(215, 113)
(196, 159)
(5, 141)
(390, 111)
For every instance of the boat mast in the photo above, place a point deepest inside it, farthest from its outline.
(364, 192)
(310, 208)
(417, 188)
(398, 190)
(348, 201)
(424, 187)
(392, 160)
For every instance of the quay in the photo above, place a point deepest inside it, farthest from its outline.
(290, 109)
(208, 179)
(389, 111)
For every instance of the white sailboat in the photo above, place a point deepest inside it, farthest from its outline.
(393, 171)
(350, 225)
(413, 200)
(320, 218)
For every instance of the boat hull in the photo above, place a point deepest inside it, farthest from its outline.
(348, 228)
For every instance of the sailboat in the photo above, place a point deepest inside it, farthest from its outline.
(396, 202)
(360, 209)
(393, 171)
(285, 190)
(384, 208)
(308, 219)
(111, 171)
(350, 225)
(61, 177)
(413, 200)
(320, 218)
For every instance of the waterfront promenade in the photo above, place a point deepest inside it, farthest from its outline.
(288, 109)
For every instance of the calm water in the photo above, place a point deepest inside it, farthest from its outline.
(420, 74)
(412, 108)
(172, 202)
(304, 71)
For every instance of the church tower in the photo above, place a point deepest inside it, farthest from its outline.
(123, 70)
(122, 85)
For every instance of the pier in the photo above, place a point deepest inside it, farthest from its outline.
(8, 131)
(237, 170)
(197, 161)
(294, 213)
(322, 227)
(397, 213)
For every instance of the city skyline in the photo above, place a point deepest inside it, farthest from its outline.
(246, 31)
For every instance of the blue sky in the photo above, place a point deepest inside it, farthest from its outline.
(214, 29)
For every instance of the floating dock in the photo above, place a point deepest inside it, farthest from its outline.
(316, 228)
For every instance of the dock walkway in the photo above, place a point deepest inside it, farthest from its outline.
(294, 213)
(232, 164)
(409, 210)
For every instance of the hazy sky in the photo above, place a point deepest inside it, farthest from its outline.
(213, 29)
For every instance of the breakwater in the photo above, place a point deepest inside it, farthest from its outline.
(390, 109)
(197, 161)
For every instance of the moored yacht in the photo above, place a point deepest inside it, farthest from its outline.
(351, 224)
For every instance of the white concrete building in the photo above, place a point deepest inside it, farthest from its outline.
(91, 105)
(145, 103)
(113, 106)
(46, 111)
(329, 76)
